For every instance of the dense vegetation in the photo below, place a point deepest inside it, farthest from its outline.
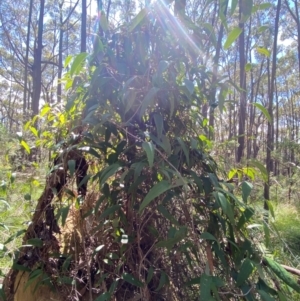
(159, 163)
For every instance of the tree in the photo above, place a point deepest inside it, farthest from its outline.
(83, 26)
(243, 14)
(37, 63)
(151, 212)
(26, 63)
(296, 18)
(270, 134)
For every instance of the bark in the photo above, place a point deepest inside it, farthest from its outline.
(83, 26)
(243, 100)
(296, 17)
(215, 72)
(37, 64)
(26, 57)
(270, 133)
(60, 54)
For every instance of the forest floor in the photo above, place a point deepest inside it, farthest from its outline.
(19, 192)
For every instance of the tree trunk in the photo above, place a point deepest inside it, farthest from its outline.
(37, 68)
(243, 97)
(83, 26)
(60, 54)
(270, 134)
(26, 58)
(215, 72)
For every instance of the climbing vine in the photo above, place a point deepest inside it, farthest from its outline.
(134, 206)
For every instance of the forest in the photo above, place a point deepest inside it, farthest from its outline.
(150, 150)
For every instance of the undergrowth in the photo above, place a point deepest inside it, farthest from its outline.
(20, 186)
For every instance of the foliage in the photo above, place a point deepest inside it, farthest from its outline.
(159, 221)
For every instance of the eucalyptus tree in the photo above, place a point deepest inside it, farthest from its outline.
(293, 7)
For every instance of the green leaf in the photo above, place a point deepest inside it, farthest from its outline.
(138, 167)
(12, 177)
(261, 168)
(27, 197)
(262, 6)
(67, 62)
(267, 234)
(138, 19)
(185, 150)
(172, 104)
(282, 274)
(66, 280)
(265, 296)
(271, 208)
(225, 205)
(262, 285)
(150, 151)
(154, 192)
(150, 275)
(149, 98)
(205, 287)
(208, 236)
(3, 201)
(104, 297)
(103, 21)
(109, 171)
(233, 6)
(246, 8)
(159, 123)
(34, 131)
(130, 279)
(245, 271)
(71, 166)
(164, 211)
(20, 267)
(246, 215)
(232, 173)
(66, 263)
(208, 28)
(12, 237)
(189, 85)
(214, 180)
(281, 296)
(222, 12)
(129, 99)
(162, 67)
(262, 28)
(264, 111)
(174, 236)
(26, 146)
(64, 214)
(263, 51)
(77, 63)
(232, 36)
(69, 192)
(166, 145)
(248, 67)
(162, 281)
(168, 243)
(36, 242)
(265, 6)
(246, 190)
(109, 211)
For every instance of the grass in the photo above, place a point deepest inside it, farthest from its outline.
(16, 211)
(286, 245)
